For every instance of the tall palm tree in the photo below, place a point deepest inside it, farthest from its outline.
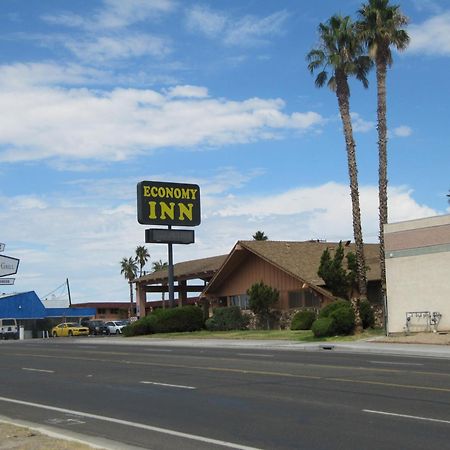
(142, 256)
(260, 236)
(129, 268)
(156, 266)
(381, 27)
(341, 53)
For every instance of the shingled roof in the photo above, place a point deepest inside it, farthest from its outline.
(202, 269)
(303, 258)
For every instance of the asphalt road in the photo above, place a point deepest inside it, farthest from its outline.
(207, 398)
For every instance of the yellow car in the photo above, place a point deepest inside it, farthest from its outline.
(69, 329)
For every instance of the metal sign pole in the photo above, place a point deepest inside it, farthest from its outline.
(171, 282)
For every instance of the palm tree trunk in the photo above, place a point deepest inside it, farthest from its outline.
(131, 298)
(343, 95)
(382, 157)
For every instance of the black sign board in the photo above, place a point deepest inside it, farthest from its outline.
(163, 236)
(162, 203)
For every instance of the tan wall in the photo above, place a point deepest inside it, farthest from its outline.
(253, 270)
(418, 271)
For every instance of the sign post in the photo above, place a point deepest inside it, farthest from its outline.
(171, 204)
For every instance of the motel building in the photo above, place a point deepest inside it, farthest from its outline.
(289, 267)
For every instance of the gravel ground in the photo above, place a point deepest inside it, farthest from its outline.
(23, 438)
(418, 338)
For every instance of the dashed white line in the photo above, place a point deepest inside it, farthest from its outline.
(406, 416)
(396, 363)
(168, 385)
(37, 370)
(141, 426)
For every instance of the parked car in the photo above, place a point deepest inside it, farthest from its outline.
(69, 329)
(115, 326)
(97, 327)
(9, 329)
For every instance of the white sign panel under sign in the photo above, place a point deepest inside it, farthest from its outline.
(7, 281)
(8, 265)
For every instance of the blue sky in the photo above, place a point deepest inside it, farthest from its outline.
(98, 95)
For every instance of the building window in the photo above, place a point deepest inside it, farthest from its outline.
(239, 300)
(101, 311)
(114, 310)
(304, 298)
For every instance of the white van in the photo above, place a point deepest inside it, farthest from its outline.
(9, 329)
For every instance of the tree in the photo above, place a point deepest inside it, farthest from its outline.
(381, 27)
(333, 273)
(128, 268)
(341, 52)
(261, 299)
(142, 256)
(260, 236)
(157, 266)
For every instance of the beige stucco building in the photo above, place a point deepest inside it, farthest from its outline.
(418, 274)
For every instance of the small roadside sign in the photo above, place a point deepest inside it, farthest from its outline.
(8, 265)
(2, 247)
(9, 281)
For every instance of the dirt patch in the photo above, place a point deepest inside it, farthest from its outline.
(22, 438)
(418, 338)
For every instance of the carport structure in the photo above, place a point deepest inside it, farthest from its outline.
(199, 270)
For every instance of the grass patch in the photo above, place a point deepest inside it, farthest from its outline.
(286, 335)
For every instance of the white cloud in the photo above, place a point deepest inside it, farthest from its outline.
(202, 19)
(402, 131)
(41, 122)
(100, 218)
(360, 125)
(101, 48)
(432, 37)
(245, 31)
(188, 91)
(114, 14)
(251, 30)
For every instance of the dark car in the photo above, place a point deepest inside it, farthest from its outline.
(97, 327)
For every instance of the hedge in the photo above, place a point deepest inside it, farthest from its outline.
(227, 318)
(303, 320)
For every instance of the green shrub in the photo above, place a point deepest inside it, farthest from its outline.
(323, 327)
(227, 318)
(344, 320)
(145, 325)
(303, 320)
(327, 310)
(187, 318)
(367, 315)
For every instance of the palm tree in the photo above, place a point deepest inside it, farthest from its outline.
(341, 53)
(142, 256)
(156, 266)
(260, 236)
(380, 27)
(128, 268)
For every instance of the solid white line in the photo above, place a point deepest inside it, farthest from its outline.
(255, 354)
(37, 370)
(131, 424)
(396, 363)
(168, 385)
(429, 419)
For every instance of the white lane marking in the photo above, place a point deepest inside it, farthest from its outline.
(168, 385)
(406, 416)
(37, 370)
(396, 363)
(260, 355)
(141, 426)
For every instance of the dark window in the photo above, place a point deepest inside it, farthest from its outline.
(101, 311)
(304, 298)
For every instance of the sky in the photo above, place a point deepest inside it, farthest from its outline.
(98, 95)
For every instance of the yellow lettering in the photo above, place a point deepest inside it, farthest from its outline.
(169, 192)
(177, 193)
(154, 191)
(193, 192)
(185, 193)
(167, 210)
(146, 191)
(161, 192)
(186, 211)
(152, 210)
